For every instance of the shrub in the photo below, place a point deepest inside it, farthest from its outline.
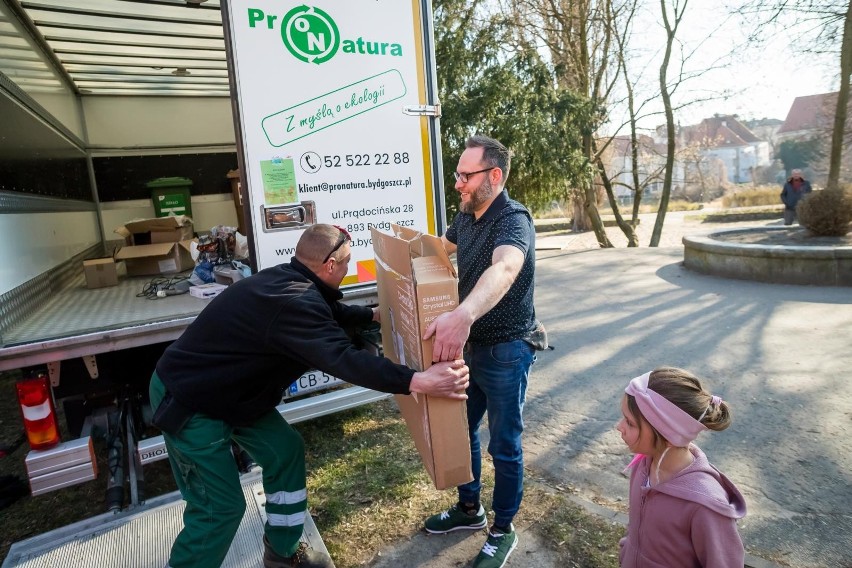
(762, 195)
(826, 212)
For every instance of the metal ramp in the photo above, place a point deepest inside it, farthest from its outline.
(143, 537)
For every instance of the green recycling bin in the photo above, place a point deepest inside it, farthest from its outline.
(171, 196)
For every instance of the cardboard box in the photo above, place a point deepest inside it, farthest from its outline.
(171, 229)
(160, 258)
(417, 283)
(207, 291)
(100, 272)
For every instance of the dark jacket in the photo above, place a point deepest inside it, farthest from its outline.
(259, 335)
(790, 197)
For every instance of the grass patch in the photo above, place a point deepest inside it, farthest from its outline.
(366, 485)
(674, 205)
(579, 539)
(739, 214)
(367, 489)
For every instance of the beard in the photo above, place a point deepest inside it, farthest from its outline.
(477, 197)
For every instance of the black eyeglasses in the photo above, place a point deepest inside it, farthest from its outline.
(344, 236)
(465, 176)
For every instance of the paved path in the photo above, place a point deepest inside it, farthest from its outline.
(779, 354)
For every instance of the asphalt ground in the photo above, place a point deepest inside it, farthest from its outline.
(781, 355)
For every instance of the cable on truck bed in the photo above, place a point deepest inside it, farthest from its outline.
(161, 286)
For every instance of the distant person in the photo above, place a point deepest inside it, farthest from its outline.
(492, 327)
(683, 511)
(794, 190)
(222, 379)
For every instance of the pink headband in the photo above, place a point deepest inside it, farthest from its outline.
(668, 419)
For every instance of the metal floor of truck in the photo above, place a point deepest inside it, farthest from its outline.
(77, 310)
(143, 537)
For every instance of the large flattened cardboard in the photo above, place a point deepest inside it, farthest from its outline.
(417, 283)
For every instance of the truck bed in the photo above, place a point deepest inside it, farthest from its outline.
(76, 321)
(143, 537)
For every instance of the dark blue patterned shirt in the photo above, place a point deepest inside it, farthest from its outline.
(505, 222)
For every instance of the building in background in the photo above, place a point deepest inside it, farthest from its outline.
(726, 139)
(805, 137)
(651, 161)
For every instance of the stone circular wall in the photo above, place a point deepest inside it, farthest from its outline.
(729, 253)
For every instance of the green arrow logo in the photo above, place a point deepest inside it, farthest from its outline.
(310, 34)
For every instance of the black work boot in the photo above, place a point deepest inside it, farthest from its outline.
(305, 557)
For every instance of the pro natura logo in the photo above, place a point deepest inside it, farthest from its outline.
(311, 35)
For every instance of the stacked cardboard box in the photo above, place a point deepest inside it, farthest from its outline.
(416, 284)
(156, 246)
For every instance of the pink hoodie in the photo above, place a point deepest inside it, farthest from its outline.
(687, 521)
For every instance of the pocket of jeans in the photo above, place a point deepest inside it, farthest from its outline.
(507, 353)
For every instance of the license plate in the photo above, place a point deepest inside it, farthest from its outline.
(311, 381)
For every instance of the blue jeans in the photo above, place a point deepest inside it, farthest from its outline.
(498, 385)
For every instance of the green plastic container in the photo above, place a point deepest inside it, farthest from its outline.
(171, 196)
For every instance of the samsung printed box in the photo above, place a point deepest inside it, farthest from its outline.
(417, 283)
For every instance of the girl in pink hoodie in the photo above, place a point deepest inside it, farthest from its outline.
(683, 511)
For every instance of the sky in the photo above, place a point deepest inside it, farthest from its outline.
(760, 82)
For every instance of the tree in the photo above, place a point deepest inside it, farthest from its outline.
(671, 23)
(799, 153)
(837, 135)
(490, 83)
(813, 28)
(580, 39)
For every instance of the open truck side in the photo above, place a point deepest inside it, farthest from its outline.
(328, 112)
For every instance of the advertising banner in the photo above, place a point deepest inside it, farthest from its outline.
(321, 90)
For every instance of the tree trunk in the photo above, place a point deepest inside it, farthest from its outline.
(670, 125)
(839, 130)
(628, 229)
(590, 197)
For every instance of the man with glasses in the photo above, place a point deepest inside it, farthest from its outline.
(222, 379)
(494, 240)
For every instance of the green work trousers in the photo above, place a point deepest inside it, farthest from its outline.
(209, 481)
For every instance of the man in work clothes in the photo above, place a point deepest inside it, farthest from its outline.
(494, 240)
(222, 379)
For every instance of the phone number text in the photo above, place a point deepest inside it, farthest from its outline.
(355, 160)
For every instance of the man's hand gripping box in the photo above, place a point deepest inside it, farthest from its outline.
(417, 283)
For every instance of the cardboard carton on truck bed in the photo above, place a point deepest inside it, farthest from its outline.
(417, 283)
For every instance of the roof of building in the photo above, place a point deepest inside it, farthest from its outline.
(621, 145)
(810, 112)
(720, 131)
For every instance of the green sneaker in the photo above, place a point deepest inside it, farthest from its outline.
(497, 549)
(454, 519)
